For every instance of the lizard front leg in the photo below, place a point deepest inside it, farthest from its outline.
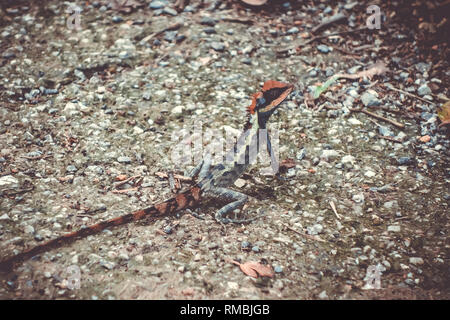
(237, 200)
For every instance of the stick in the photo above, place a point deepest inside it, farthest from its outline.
(305, 234)
(326, 22)
(389, 138)
(334, 210)
(171, 27)
(409, 94)
(393, 122)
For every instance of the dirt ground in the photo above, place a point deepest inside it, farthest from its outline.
(92, 98)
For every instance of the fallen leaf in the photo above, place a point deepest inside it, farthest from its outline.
(444, 114)
(253, 269)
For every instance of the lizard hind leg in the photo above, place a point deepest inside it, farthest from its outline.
(236, 199)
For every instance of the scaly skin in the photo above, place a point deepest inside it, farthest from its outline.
(212, 180)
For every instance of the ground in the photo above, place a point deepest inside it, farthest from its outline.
(98, 95)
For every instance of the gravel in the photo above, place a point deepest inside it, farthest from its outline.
(83, 108)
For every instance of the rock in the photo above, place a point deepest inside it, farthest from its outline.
(315, 229)
(348, 159)
(208, 21)
(329, 154)
(391, 204)
(385, 131)
(170, 35)
(124, 159)
(358, 198)
(245, 245)
(117, 19)
(218, 46)
(323, 48)
(4, 217)
(232, 285)
(323, 295)
(370, 99)
(189, 8)
(370, 174)
(9, 181)
(416, 260)
(423, 90)
(71, 168)
(255, 249)
(168, 230)
(209, 30)
(292, 30)
(28, 229)
(239, 183)
(170, 11)
(404, 160)
(354, 121)
(124, 257)
(278, 269)
(178, 110)
(107, 264)
(394, 228)
(155, 5)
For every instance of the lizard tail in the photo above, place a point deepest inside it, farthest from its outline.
(181, 201)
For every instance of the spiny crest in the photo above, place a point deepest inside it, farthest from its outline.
(273, 91)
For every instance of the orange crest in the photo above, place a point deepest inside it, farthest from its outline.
(268, 85)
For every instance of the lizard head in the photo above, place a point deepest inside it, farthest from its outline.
(266, 101)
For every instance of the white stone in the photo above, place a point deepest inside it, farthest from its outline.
(8, 181)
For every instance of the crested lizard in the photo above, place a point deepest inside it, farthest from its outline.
(212, 181)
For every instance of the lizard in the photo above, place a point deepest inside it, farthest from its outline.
(212, 181)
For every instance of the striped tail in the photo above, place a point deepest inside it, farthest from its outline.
(184, 200)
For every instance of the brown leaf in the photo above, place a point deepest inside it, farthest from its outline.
(253, 269)
(444, 113)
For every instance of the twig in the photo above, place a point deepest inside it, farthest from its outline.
(409, 94)
(393, 122)
(389, 138)
(124, 190)
(36, 158)
(305, 234)
(171, 27)
(325, 23)
(334, 210)
(125, 181)
(164, 175)
(334, 34)
(298, 45)
(237, 20)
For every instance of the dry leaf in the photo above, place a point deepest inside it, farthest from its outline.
(253, 269)
(444, 114)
